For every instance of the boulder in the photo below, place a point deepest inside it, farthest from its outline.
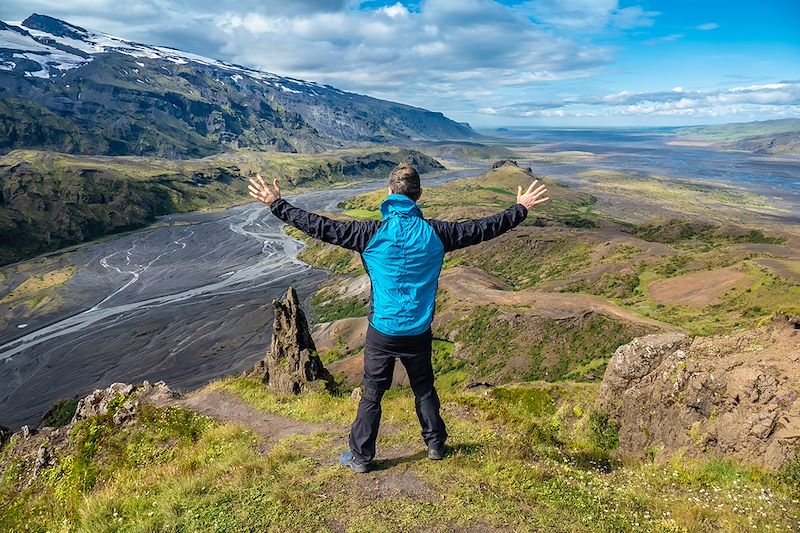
(292, 365)
(734, 395)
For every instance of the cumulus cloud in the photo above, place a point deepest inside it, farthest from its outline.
(442, 54)
(781, 98)
(449, 55)
(455, 56)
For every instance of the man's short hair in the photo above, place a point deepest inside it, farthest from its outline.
(404, 179)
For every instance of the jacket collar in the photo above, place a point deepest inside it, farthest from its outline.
(399, 204)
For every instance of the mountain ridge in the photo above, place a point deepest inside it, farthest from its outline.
(78, 91)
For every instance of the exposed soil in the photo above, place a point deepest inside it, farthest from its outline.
(698, 289)
(782, 267)
(347, 333)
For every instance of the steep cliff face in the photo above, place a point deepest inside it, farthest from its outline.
(736, 395)
(69, 89)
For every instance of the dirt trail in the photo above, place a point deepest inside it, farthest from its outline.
(472, 284)
(227, 407)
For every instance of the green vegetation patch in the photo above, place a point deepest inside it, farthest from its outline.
(506, 345)
(494, 191)
(328, 308)
(525, 261)
(675, 231)
(322, 255)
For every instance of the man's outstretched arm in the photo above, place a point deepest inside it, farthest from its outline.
(353, 235)
(456, 235)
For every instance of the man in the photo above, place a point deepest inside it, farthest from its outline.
(402, 254)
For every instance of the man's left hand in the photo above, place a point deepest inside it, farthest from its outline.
(263, 192)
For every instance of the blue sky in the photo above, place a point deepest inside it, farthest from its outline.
(493, 63)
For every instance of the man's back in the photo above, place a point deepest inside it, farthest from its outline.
(403, 260)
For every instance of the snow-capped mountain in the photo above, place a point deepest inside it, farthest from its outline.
(70, 89)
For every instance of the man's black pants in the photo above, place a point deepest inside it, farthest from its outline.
(380, 350)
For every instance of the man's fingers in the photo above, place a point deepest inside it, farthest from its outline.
(261, 180)
(539, 190)
(275, 183)
(541, 200)
(255, 185)
(532, 185)
(519, 191)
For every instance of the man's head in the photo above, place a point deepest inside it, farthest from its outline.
(404, 179)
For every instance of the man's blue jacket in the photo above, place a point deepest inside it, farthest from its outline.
(402, 254)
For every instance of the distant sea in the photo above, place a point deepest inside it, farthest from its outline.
(646, 151)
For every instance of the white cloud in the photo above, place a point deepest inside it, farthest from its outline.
(444, 49)
(707, 26)
(773, 99)
(663, 39)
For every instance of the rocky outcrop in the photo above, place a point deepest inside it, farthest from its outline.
(510, 162)
(736, 395)
(292, 365)
(37, 449)
(122, 400)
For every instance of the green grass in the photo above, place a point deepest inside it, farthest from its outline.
(540, 347)
(521, 459)
(327, 310)
(321, 255)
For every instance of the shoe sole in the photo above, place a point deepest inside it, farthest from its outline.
(359, 469)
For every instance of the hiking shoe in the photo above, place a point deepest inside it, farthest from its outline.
(347, 459)
(436, 452)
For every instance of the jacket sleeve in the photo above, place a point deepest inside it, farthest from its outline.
(455, 235)
(353, 235)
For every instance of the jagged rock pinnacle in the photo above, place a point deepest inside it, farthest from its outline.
(292, 365)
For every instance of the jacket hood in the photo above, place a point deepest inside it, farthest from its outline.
(399, 204)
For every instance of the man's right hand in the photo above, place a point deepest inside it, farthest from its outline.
(532, 196)
(263, 192)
